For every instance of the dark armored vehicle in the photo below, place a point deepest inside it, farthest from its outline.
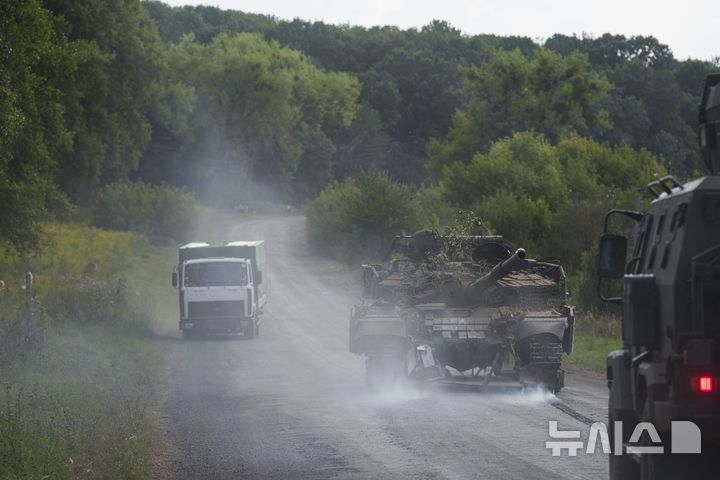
(668, 372)
(459, 307)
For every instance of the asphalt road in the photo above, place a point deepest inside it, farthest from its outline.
(292, 404)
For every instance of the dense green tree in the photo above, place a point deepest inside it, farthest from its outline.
(357, 218)
(115, 94)
(159, 211)
(690, 75)
(671, 111)
(205, 22)
(33, 55)
(365, 146)
(611, 50)
(536, 193)
(654, 100)
(264, 113)
(630, 121)
(429, 86)
(94, 91)
(412, 77)
(549, 94)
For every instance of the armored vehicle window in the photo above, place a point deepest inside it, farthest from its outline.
(673, 224)
(666, 255)
(682, 214)
(639, 245)
(651, 260)
(656, 242)
(215, 274)
(661, 224)
(643, 239)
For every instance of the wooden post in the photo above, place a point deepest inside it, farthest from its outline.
(28, 295)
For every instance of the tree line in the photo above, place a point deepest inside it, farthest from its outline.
(234, 106)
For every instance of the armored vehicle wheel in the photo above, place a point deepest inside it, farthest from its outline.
(541, 355)
(622, 467)
(385, 371)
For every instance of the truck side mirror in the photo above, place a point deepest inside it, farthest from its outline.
(612, 255)
(258, 277)
(174, 279)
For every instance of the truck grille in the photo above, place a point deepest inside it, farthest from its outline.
(235, 308)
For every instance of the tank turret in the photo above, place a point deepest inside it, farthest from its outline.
(476, 289)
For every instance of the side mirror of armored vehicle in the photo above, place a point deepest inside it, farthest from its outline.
(612, 255)
(174, 279)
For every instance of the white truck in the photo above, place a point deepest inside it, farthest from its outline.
(223, 288)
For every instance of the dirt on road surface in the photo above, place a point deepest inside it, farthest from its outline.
(292, 403)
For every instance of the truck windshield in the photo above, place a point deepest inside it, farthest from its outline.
(215, 274)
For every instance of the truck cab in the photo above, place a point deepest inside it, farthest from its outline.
(221, 288)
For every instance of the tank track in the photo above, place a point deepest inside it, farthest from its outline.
(541, 356)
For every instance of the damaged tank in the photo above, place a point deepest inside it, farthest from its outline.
(462, 308)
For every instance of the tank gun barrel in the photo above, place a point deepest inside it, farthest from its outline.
(515, 262)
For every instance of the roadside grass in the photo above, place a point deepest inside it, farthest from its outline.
(150, 295)
(595, 337)
(80, 407)
(591, 351)
(73, 249)
(79, 410)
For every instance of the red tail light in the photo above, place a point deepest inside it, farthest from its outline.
(705, 383)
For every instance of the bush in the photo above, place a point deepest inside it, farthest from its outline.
(159, 211)
(88, 299)
(435, 211)
(519, 217)
(357, 218)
